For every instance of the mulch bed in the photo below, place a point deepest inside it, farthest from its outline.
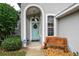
(56, 52)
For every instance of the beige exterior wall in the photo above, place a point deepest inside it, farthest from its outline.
(48, 8)
(68, 27)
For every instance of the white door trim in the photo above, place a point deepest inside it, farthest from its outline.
(30, 30)
(25, 10)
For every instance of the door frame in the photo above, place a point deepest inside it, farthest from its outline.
(30, 29)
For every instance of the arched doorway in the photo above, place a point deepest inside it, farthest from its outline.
(34, 20)
(33, 14)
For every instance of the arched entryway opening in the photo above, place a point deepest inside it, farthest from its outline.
(34, 23)
(33, 15)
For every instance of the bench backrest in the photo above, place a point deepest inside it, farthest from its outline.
(56, 41)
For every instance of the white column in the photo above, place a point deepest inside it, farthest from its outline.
(23, 30)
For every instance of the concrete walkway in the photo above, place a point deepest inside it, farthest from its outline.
(34, 49)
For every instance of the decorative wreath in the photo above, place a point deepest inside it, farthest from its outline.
(35, 26)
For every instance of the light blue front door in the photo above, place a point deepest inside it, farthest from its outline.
(35, 31)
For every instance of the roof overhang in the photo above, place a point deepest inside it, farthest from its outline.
(19, 4)
(69, 10)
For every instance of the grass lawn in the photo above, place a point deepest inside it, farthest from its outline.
(13, 53)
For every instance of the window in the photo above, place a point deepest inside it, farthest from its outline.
(33, 19)
(50, 23)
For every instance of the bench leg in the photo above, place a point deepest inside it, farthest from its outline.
(45, 45)
(66, 49)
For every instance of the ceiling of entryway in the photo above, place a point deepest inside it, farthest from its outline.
(33, 11)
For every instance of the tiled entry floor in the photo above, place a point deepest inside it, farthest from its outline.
(34, 49)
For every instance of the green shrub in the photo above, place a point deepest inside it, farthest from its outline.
(0, 42)
(8, 20)
(76, 53)
(11, 44)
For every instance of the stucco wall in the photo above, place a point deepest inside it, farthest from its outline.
(48, 8)
(68, 27)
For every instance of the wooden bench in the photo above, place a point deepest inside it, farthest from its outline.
(52, 41)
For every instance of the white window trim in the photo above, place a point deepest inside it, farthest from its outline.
(47, 23)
